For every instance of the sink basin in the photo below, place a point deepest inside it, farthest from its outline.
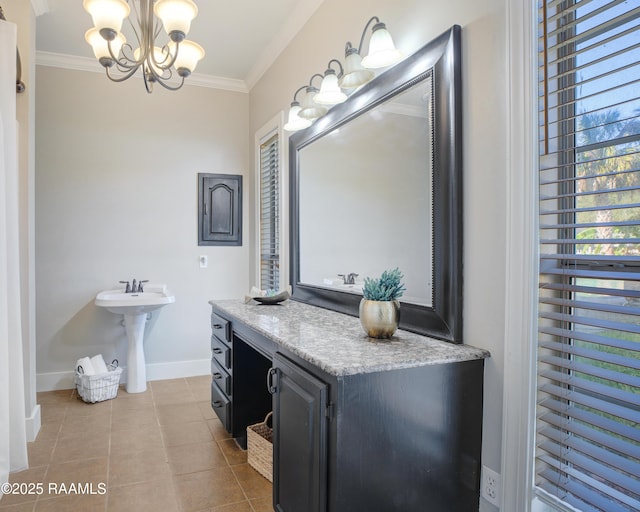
(119, 302)
(135, 307)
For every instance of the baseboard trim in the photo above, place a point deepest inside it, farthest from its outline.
(33, 423)
(156, 371)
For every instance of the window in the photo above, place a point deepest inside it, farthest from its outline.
(270, 206)
(588, 398)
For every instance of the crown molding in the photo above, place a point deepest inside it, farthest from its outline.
(40, 7)
(60, 60)
(299, 16)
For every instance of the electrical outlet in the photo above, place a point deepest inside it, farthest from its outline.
(491, 486)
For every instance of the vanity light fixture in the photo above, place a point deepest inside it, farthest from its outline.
(294, 121)
(330, 93)
(356, 72)
(309, 108)
(159, 63)
(382, 53)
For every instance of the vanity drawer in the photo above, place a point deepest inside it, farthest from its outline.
(221, 328)
(221, 352)
(221, 404)
(220, 376)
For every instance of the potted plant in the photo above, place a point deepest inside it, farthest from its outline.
(379, 307)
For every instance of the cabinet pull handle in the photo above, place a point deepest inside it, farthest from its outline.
(217, 403)
(217, 350)
(217, 326)
(217, 375)
(272, 380)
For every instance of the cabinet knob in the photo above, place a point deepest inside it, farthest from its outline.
(217, 375)
(217, 326)
(217, 350)
(217, 404)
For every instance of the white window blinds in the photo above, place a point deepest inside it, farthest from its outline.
(270, 214)
(588, 401)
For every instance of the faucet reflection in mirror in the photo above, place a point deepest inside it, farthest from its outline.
(158, 63)
(356, 72)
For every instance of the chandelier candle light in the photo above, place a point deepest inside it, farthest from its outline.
(159, 63)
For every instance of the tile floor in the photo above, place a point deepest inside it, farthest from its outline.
(161, 450)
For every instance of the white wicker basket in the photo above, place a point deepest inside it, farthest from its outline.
(260, 448)
(99, 387)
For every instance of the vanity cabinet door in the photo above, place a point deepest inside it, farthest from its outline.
(300, 427)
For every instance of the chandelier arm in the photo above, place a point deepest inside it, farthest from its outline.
(133, 27)
(164, 84)
(157, 29)
(128, 61)
(148, 84)
(164, 65)
(113, 56)
(125, 67)
(121, 78)
(150, 70)
(364, 32)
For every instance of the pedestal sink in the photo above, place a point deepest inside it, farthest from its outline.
(135, 306)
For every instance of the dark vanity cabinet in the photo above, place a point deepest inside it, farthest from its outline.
(386, 438)
(238, 392)
(221, 369)
(300, 420)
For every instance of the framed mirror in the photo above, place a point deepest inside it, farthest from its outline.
(377, 184)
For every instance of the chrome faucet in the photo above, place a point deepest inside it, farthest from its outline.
(135, 287)
(348, 278)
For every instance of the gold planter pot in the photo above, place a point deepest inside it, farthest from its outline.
(379, 318)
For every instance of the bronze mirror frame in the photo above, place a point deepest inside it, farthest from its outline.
(439, 59)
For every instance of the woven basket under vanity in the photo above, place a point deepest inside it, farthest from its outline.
(260, 448)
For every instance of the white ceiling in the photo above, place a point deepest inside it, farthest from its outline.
(241, 38)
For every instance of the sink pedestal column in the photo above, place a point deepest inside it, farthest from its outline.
(136, 366)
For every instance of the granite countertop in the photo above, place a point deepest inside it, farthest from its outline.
(336, 343)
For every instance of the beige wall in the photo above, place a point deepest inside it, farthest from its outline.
(116, 191)
(413, 23)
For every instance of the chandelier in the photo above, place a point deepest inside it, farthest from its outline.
(159, 63)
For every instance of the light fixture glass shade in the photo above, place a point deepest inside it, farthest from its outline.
(189, 54)
(382, 51)
(101, 46)
(330, 93)
(354, 74)
(107, 14)
(294, 121)
(310, 109)
(176, 15)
